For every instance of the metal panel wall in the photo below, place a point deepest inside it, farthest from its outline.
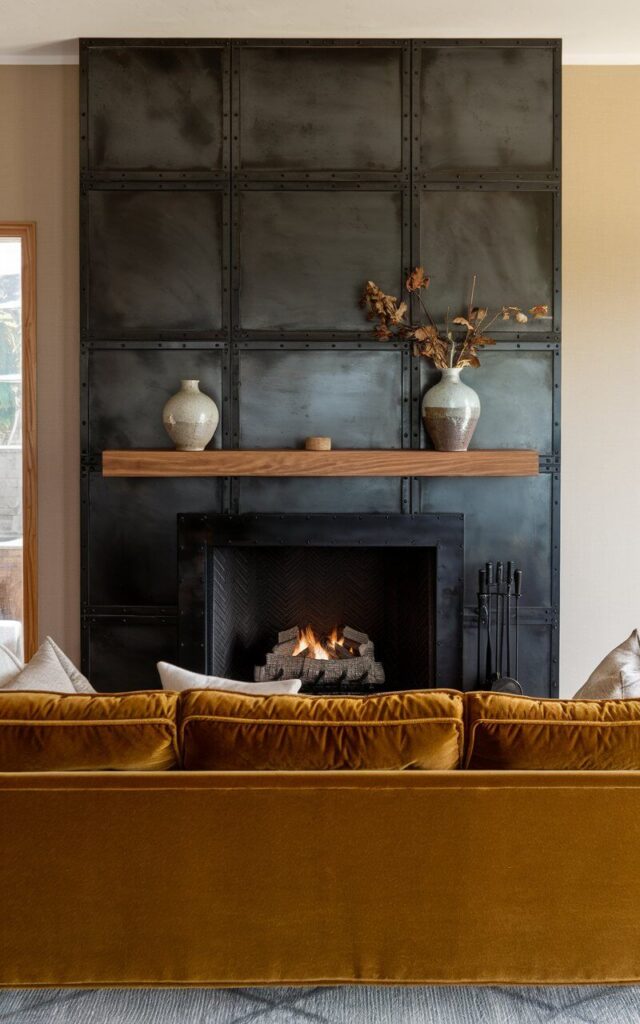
(235, 194)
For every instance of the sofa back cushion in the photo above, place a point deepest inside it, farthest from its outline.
(508, 732)
(42, 732)
(232, 731)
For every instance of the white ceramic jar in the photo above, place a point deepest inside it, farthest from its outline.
(190, 417)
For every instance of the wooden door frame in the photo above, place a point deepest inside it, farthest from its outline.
(26, 232)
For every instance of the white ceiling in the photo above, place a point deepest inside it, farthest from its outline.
(593, 31)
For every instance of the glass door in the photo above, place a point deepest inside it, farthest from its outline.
(18, 543)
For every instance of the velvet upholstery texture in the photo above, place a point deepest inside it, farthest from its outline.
(503, 731)
(235, 732)
(72, 732)
(190, 878)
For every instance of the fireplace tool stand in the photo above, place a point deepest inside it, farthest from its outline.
(497, 660)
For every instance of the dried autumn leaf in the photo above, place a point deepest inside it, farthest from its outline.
(397, 316)
(481, 339)
(479, 313)
(427, 333)
(539, 311)
(463, 321)
(505, 314)
(382, 332)
(417, 279)
(433, 348)
(439, 353)
(469, 360)
(521, 318)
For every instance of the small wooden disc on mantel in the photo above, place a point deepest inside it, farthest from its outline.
(317, 444)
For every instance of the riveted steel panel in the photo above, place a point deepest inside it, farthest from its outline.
(505, 237)
(514, 388)
(505, 518)
(128, 390)
(304, 256)
(353, 397)
(132, 554)
(155, 260)
(122, 652)
(535, 658)
(368, 494)
(156, 108)
(318, 109)
(486, 108)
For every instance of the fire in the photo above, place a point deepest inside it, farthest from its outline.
(313, 646)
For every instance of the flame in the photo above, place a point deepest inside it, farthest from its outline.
(312, 646)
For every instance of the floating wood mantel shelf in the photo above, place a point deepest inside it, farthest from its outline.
(301, 463)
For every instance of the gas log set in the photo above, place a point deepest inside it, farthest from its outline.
(343, 658)
(499, 596)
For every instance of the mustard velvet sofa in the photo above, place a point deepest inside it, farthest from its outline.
(239, 877)
(209, 878)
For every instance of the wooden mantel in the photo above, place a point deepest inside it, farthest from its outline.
(301, 463)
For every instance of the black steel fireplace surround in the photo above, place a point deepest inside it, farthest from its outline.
(235, 196)
(398, 578)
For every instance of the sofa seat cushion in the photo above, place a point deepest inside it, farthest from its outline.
(527, 733)
(42, 732)
(236, 732)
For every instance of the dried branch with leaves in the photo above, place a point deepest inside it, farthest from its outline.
(454, 345)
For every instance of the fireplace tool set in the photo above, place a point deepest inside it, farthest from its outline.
(499, 596)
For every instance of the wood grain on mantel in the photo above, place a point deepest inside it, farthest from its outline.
(301, 463)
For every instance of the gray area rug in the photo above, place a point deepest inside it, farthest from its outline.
(338, 1005)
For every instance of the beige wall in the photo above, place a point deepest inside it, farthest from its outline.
(601, 241)
(39, 182)
(601, 366)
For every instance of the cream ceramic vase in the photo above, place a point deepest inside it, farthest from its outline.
(450, 410)
(190, 417)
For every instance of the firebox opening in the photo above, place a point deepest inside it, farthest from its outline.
(381, 598)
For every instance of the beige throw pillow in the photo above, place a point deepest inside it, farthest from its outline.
(175, 678)
(617, 675)
(50, 670)
(10, 666)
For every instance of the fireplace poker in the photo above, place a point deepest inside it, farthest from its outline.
(482, 620)
(499, 623)
(508, 600)
(489, 655)
(517, 593)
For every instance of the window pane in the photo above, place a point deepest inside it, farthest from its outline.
(11, 632)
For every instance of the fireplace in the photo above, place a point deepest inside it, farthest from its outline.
(248, 583)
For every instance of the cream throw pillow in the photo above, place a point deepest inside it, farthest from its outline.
(617, 675)
(10, 666)
(49, 670)
(175, 678)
